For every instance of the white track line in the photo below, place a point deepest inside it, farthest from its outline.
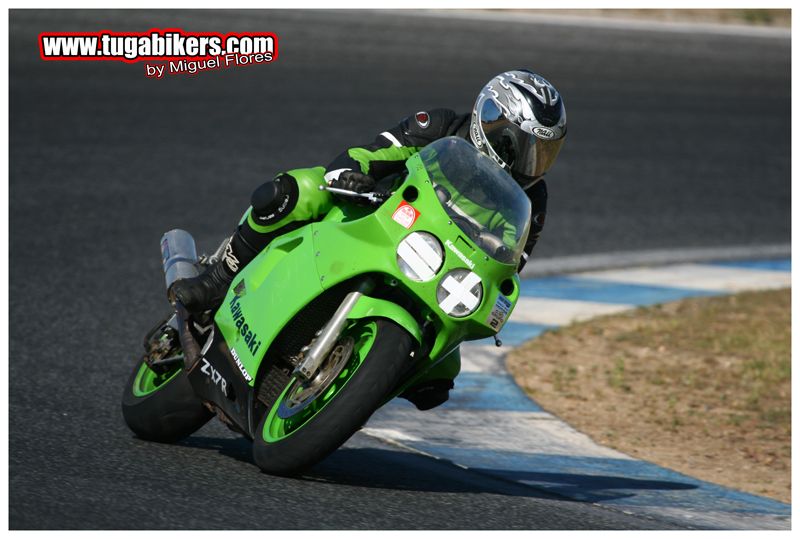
(491, 430)
(486, 359)
(696, 277)
(602, 22)
(561, 312)
(656, 257)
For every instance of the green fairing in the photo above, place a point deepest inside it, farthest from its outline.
(279, 276)
(349, 242)
(369, 307)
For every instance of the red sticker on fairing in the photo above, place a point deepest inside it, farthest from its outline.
(423, 119)
(405, 214)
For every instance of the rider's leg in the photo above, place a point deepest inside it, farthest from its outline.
(290, 200)
(433, 388)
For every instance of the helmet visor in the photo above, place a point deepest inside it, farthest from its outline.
(522, 153)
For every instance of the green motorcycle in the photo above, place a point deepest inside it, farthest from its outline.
(334, 319)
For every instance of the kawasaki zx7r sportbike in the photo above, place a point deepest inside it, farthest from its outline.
(337, 317)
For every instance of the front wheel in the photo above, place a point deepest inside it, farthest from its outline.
(305, 422)
(162, 407)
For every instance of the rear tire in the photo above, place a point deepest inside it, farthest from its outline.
(284, 453)
(162, 409)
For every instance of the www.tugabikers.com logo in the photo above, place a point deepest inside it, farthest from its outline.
(182, 52)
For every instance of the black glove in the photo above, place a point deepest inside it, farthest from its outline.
(354, 181)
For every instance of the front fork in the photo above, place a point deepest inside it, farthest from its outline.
(315, 354)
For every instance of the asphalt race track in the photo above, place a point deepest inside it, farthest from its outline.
(676, 140)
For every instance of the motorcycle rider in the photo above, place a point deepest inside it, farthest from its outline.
(518, 120)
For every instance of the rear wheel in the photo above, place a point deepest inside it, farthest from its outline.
(307, 421)
(162, 407)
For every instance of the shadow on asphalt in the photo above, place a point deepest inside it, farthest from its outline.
(586, 488)
(378, 468)
(399, 470)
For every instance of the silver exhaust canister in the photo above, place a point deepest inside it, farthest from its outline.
(178, 256)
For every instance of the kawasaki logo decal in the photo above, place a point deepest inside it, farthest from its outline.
(250, 338)
(459, 254)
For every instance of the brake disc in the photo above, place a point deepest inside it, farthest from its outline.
(303, 393)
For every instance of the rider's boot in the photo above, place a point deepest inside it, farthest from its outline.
(207, 290)
(429, 394)
(271, 204)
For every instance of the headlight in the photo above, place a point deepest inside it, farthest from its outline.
(459, 293)
(420, 256)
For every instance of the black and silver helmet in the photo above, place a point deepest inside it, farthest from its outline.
(519, 120)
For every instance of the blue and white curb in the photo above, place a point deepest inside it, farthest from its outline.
(491, 426)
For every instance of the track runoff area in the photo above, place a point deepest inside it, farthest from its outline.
(491, 426)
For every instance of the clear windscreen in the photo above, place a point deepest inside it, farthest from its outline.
(480, 197)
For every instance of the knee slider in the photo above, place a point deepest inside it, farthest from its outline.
(275, 199)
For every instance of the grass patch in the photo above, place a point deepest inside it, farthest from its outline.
(702, 386)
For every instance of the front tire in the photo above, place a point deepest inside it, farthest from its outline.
(289, 446)
(162, 408)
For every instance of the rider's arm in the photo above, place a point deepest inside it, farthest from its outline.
(538, 195)
(387, 154)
